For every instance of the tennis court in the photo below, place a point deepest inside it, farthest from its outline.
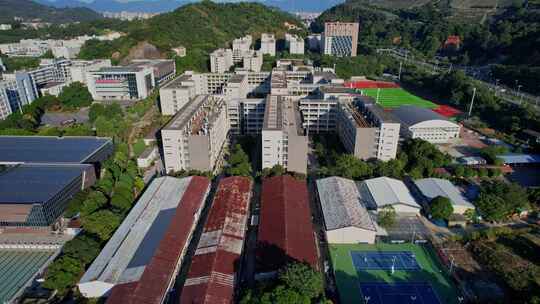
(396, 97)
(399, 293)
(352, 274)
(399, 260)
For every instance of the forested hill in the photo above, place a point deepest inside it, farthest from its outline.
(30, 10)
(201, 27)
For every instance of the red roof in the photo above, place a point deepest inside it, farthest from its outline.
(108, 81)
(370, 84)
(452, 40)
(447, 111)
(285, 228)
(154, 283)
(212, 273)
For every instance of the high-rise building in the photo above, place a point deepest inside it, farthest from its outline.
(221, 60)
(295, 44)
(253, 61)
(340, 39)
(195, 137)
(268, 44)
(240, 47)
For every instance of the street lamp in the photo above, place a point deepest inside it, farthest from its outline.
(472, 102)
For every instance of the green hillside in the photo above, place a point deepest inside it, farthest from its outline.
(29, 10)
(201, 27)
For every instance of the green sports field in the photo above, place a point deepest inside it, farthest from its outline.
(348, 279)
(396, 97)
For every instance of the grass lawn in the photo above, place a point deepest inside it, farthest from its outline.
(396, 97)
(348, 279)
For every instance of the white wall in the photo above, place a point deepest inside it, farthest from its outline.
(350, 235)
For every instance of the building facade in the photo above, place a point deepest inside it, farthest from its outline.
(295, 44)
(196, 136)
(268, 44)
(221, 60)
(121, 83)
(340, 39)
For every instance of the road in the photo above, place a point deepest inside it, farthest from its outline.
(479, 73)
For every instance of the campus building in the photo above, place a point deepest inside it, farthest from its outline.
(340, 39)
(346, 218)
(80, 68)
(240, 47)
(378, 193)
(221, 60)
(213, 273)
(268, 44)
(295, 44)
(196, 135)
(121, 83)
(283, 140)
(367, 131)
(285, 229)
(54, 168)
(430, 188)
(140, 262)
(425, 124)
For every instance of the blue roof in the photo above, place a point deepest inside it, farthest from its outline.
(28, 184)
(510, 159)
(49, 149)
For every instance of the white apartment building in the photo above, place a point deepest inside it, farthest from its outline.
(121, 83)
(195, 137)
(246, 115)
(5, 27)
(241, 47)
(221, 60)
(176, 94)
(237, 87)
(253, 61)
(319, 115)
(283, 139)
(295, 44)
(366, 130)
(268, 44)
(180, 51)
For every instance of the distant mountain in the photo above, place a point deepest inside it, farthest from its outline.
(29, 10)
(158, 6)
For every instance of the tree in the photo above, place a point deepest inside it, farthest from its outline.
(276, 170)
(75, 95)
(386, 217)
(83, 248)
(459, 170)
(239, 164)
(348, 166)
(93, 202)
(303, 279)
(497, 200)
(62, 274)
(101, 223)
(441, 208)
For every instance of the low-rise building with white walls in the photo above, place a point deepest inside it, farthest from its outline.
(121, 83)
(380, 192)
(346, 218)
(196, 135)
(79, 69)
(430, 188)
(425, 124)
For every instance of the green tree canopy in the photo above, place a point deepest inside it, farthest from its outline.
(238, 163)
(75, 95)
(386, 217)
(62, 273)
(498, 200)
(101, 223)
(441, 208)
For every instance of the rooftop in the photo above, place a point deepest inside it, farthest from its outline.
(44, 180)
(342, 205)
(180, 120)
(50, 149)
(388, 191)
(129, 254)
(412, 115)
(177, 83)
(211, 277)
(433, 187)
(510, 159)
(285, 220)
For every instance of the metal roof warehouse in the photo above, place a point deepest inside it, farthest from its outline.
(212, 273)
(285, 228)
(140, 261)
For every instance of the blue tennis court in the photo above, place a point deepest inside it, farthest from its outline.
(399, 293)
(383, 260)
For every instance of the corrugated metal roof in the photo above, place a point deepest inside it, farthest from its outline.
(411, 115)
(285, 220)
(211, 278)
(433, 187)
(49, 149)
(388, 191)
(342, 204)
